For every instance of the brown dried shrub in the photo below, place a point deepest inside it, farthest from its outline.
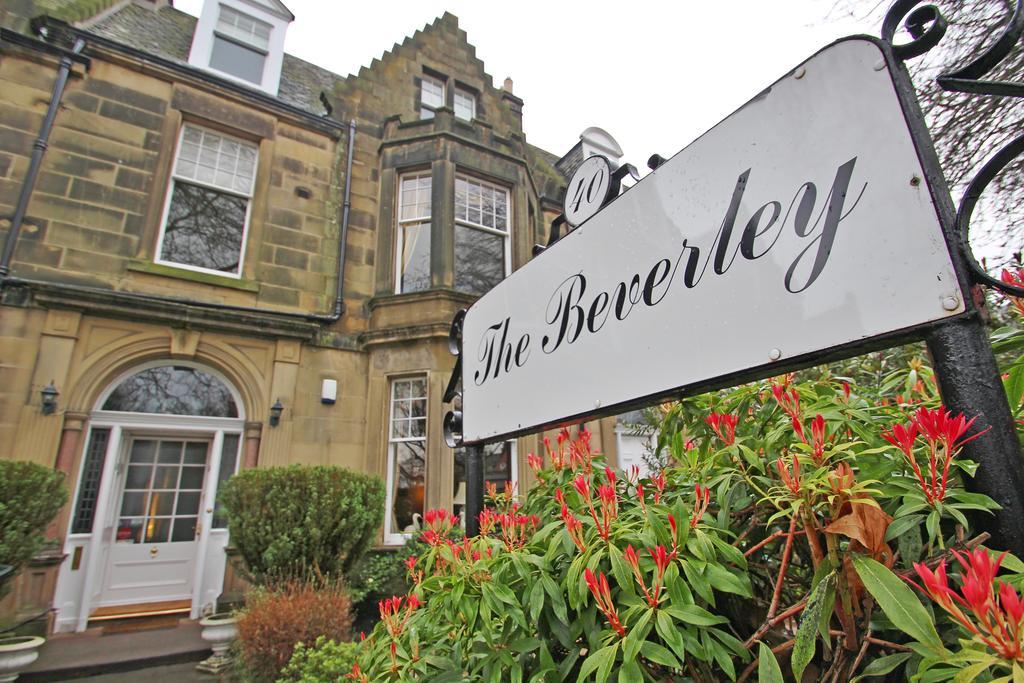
(276, 618)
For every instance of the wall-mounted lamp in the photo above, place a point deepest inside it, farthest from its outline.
(48, 402)
(275, 413)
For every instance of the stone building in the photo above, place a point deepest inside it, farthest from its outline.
(189, 292)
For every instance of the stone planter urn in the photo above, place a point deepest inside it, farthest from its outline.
(219, 631)
(17, 653)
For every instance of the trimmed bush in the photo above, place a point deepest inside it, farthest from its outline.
(30, 497)
(299, 520)
(326, 660)
(275, 620)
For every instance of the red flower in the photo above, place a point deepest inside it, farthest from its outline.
(989, 609)
(603, 596)
(1015, 278)
(582, 485)
(724, 425)
(659, 486)
(943, 434)
(819, 435)
(790, 479)
(574, 527)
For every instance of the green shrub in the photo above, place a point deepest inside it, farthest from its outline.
(30, 497)
(288, 521)
(275, 620)
(326, 660)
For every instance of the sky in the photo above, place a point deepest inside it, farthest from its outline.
(655, 75)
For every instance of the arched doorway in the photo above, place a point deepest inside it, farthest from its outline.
(145, 530)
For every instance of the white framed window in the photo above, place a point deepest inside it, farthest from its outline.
(465, 104)
(431, 95)
(483, 255)
(407, 458)
(206, 217)
(241, 44)
(413, 248)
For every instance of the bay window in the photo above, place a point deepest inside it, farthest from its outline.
(413, 233)
(482, 250)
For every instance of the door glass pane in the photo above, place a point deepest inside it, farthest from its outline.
(89, 489)
(134, 503)
(188, 503)
(143, 451)
(161, 502)
(166, 477)
(192, 477)
(157, 530)
(195, 453)
(184, 529)
(138, 476)
(170, 452)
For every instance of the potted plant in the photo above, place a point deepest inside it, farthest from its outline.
(16, 653)
(219, 631)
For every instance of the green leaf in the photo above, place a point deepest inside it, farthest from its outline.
(898, 602)
(807, 631)
(1014, 385)
(692, 614)
(658, 654)
(536, 600)
(768, 670)
(884, 665)
(597, 659)
(902, 524)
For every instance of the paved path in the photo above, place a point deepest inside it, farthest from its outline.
(174, 673)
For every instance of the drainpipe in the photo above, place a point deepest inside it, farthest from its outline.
(339, 304)
(38, 149)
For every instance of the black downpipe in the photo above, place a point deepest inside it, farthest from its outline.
(38, 149)
(339, 304)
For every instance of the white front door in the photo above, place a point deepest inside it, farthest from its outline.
(152, 556)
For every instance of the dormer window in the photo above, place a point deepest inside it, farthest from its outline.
(242, 41)
(240, 45)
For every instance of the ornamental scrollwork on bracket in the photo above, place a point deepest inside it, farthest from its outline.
(926, 27)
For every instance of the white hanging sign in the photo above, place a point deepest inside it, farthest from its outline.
(797, 227)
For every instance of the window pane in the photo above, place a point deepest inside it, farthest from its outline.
(170, 390)
(237, 59)
(138, 476)
(431, 96)
(170, 452)
(204, 228)
(465, 104)
(228, 465)
(160, 503)
(415, 258)
(133, 503)
(216, 158)
(156, 530)
(188, 503)
(184, 529)
(192, 477)
(166, 477)
(195, 453)
(242, 27)
(408, 485)
(497, 468)
(89, 489)
(479, 260)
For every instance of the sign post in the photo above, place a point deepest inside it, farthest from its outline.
(812, 224)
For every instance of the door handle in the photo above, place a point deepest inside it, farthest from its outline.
(153, 551)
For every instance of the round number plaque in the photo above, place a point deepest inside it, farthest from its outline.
(588, 190)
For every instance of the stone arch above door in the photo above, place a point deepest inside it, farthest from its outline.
(248, 371)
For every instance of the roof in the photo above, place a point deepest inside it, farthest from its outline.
(167, 32)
